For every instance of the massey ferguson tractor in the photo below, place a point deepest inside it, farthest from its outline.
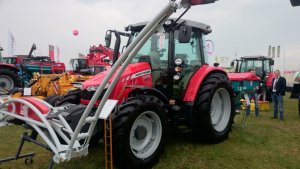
(161, 81)
(167, 84)
(263, 67)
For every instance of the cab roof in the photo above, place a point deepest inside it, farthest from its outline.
(206, 29)
(257, 57)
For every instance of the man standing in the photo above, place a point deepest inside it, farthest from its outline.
(278, 91)
(253, 95)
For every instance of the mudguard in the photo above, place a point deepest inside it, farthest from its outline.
(196, 80)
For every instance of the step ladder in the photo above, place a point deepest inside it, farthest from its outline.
(108, 143)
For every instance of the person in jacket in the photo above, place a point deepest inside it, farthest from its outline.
(278, 91)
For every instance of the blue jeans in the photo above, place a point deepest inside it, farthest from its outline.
(278, 104)
(254, 95)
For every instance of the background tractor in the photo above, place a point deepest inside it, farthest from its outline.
(97, 60)
(17, 71)
(263, 67)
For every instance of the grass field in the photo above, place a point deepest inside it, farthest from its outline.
(264, 143)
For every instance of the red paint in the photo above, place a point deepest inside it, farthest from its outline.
(31, 114)
(196, 81)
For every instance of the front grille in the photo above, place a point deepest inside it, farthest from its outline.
(87, 95)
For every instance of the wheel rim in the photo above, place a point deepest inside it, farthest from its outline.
(6, 82)
(145, 134)
(220, 109)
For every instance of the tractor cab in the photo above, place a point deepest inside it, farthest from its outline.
(78, 64)
(175, 53)
(262, 65)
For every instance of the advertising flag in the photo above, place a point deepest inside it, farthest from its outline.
(51, 52)
(58, 53)
(11, 44)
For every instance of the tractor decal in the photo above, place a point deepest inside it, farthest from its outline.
(142, 73)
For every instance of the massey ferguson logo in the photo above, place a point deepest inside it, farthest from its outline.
(142, 73)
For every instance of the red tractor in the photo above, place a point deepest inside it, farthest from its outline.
(16, 71)
(161, 81)
(96, 61)
(167, 84)
(263, 67)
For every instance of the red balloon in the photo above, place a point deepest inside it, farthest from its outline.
(75, 32)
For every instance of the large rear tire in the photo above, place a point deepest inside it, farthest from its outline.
(139, 132)
(214, 109)
(9, 79)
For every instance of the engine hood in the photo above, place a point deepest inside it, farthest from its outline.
(130, 71)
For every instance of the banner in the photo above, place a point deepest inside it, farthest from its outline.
(11, 44)
(51, 52)
(58, 52)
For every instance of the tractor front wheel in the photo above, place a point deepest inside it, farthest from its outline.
(139, 132)
(214, 109)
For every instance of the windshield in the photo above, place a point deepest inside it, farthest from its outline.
(255, 65)
(155, 49)
(78, 64)
(10, 60)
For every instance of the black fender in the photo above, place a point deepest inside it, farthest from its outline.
(72, 96)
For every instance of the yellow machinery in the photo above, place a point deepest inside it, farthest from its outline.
(51, 84)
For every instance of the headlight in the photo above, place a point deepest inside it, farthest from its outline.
(78, 86)
(178, 61)
(94, 88)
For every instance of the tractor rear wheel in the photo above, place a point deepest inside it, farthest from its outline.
(214, 109)
(139, 132)
(9, 79)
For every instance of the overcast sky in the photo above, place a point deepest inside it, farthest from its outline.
(240, 27)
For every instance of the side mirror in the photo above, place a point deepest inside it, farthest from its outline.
(33, 46)
(201, 2)
(107, 39)
(271, 62)
(295, 2)
(184, 34)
